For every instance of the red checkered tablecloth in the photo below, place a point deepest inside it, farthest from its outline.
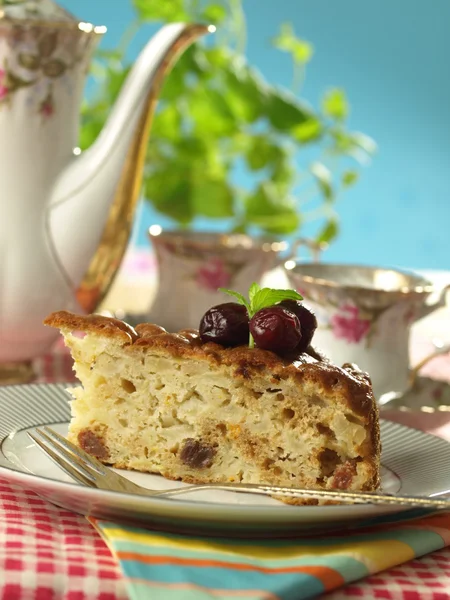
(424, 579)
(47, 553)
(50, 554)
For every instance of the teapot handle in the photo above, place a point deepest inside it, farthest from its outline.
(444, 349)
(440, 299)
(316, 249)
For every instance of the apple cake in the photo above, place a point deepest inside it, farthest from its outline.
(171, 404)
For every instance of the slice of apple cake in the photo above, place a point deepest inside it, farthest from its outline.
(199, 412)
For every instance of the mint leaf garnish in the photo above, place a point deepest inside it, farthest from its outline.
(254, 289)
(261, 298)
(268, 297)
(239, 297)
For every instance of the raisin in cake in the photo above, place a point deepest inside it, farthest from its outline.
(199, 412)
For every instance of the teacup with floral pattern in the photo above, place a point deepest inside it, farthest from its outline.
(365, 315)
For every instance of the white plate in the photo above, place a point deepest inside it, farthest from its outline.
(413, 463)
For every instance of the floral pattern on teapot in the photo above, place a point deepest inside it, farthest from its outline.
(68, 217)
(38, 59)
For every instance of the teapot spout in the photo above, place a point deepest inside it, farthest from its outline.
(91, 207)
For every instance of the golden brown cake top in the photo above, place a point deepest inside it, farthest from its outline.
(349, 381)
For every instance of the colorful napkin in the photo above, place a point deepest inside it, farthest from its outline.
(177, 567)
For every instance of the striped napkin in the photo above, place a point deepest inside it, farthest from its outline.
(177, 567)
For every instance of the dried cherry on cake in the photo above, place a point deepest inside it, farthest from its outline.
(277, 329)
(225, 324)
(307, 320)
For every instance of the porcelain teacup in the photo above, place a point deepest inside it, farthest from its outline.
(193, 265)
(365, 315)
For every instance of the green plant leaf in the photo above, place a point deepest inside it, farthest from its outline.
(349, 178)
(109, 54)
(194, 61)
(283, 41)
(283, 175)
(212, 198)
(245, 90)
(210, 113)
(322, 176)
(273, 212)
(268, 297)
(262, 152)
(174, 84)
(284, 112)
(329, 232)
(253, 290)
(91, 127)
(280, 224)
(262, 201)
(98, 70)
(335, 105)
(185, 73)
(167, 123)
(214, 13)
(161, 10)
(214, 112)
(218, 57)
(309, 131)
(202, 155)
(262, 298)
(301, 50)
(357, 145)
(115, 78)
(239, 297)
(169, 191)
(364, 142)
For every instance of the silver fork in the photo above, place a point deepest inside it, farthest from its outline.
(89, 471)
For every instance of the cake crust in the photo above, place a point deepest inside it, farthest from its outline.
(348, 384)
(355, 385)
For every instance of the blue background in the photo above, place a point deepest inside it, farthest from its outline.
(392, 60)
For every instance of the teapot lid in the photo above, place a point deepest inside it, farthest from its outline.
(35, 10)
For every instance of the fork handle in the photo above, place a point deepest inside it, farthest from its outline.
(335, 495)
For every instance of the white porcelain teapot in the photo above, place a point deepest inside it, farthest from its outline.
(65, 215)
